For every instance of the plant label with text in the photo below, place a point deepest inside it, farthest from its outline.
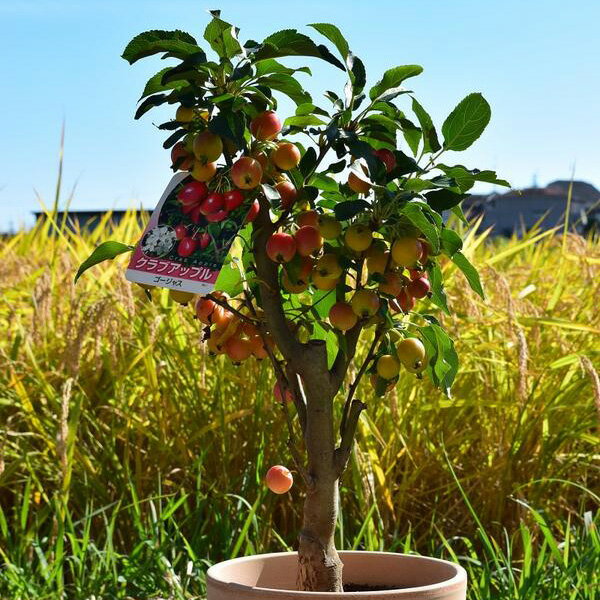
(187, 238)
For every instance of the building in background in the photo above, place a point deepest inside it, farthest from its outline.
(88, 220)
(519, 210)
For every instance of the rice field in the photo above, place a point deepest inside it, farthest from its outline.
(130, 459)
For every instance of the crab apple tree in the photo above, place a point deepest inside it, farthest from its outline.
(346, 241)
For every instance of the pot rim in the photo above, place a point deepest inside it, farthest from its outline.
(458, 579)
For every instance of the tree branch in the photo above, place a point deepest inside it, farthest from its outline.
(270, 294)
(354, 386)
(342, 454)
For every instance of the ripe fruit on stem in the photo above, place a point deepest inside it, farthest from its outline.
(184, 114)
(411, 353)
(323, 283)
(405, 301)
(253, 212)
(365, 303)
(238, 349)
(181, 159)
(265, 126)
(329, 226)
(281, 247)
(308, 240)
(288, 193)
(309, 217)
(286, 156)
(358, 237)
(279, 479)
(207, 147)
(192, 193)
(246, 173)
(387, 158)
(342, 317)
(357, 184)
(392, 284)
(204, 171)
(204, 309)
(388, 366)
(212, 203)
(378, 257)
(328, 267)
(419, 288)
(233, 199)
(407, 251)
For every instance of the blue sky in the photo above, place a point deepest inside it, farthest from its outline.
(536, 62)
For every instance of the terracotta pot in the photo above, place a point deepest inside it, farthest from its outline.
(273, 577)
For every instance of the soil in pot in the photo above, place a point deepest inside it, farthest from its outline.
(357, 587)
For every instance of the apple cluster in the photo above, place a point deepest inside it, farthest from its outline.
(371, 278)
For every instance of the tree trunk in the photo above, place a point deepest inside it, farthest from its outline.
(319, 566)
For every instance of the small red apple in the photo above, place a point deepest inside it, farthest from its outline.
(387, 158)
(281, 247)
(308, 240)
(212, 203)
(217, 217)
(253, 212)
(233, 199)
(180, 231)
(186, 247)
(265, 126)
(279, 479)
(192, 193)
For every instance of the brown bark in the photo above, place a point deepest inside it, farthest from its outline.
(319, 566)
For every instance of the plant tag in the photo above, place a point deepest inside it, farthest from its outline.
(182, 248)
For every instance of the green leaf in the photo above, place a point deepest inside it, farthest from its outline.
(470, 272)
(270, 65)
(412, 134)
(149, 103)
(466, 122)
(230, 279)
(308, 108)
(441, 200)
(438, 294)
(334, 35)
(287, 85)
(420, 215)
(105, 251)
(303, 121)
(350, 208)
(222, 37)
(155, 84)
(325, 183)
(308, 161)
(289, 42)
(451, 241)
(392, 78)
(442, 357)
(178, 43)
(489, 177)
(430, 138)
(331, 341)
(230, 125)
(322, 301)
(464, 178)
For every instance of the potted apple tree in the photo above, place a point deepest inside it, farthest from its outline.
(339, 262)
